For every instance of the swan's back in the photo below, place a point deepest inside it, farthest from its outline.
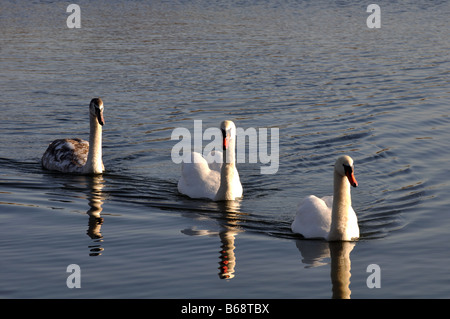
(66, 155)
(313, 219)
(199, 179)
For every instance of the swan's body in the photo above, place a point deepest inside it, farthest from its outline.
(330, 217)
(204, 178)
(76, 155)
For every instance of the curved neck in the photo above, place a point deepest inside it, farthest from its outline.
(342, 203)
(94, 163)
(225, 191)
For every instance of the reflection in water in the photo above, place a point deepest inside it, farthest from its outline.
(315, 251)
(229, 223)
(227, 264)
(340, 268)
(96, 198)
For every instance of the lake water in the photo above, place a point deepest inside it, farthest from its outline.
(312, 69)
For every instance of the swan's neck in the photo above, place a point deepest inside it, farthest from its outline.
(94, 163)
(225, 191)
(342, 203)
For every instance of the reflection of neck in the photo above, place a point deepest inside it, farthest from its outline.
(341, 205)
(95, 196)
(227, 257)
(94, 162)
(225, 191)
(340, 268)
(95, 203)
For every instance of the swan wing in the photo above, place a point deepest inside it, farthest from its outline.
(328, 200)
(313, 218)
(66, 155)
(214, 160)
(197, 179)
(201, 177)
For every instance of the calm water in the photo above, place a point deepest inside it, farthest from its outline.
(310, 68)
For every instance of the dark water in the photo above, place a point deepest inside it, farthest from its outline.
(312, 69)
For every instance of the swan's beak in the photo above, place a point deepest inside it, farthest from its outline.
(99, 114)
(226, 139)
(351, 178)
(225, 143)
(349, 173)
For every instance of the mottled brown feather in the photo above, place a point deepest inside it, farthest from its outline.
(66, 155)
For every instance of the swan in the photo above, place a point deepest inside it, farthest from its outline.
(204, 178)
(330, 217)
(76, 155)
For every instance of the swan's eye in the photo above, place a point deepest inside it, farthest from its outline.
(97, 103)
(224, 133)
(347, 168)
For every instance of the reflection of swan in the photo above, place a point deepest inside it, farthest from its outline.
(227, 234)
(340, 268)
(203, 178)
(315, 252)
(331, 217)
(227, 262)
(76, 155)
(95, 220)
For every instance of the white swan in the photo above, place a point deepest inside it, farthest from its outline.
(203, 178)
(331, 217)
(76, 155)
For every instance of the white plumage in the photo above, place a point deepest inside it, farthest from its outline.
(330, 217)
(205, 178)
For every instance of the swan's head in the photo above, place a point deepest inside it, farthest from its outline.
(228, 132)
(344, 167)
(96, 110)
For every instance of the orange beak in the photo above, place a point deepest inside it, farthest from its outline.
(351, 179)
